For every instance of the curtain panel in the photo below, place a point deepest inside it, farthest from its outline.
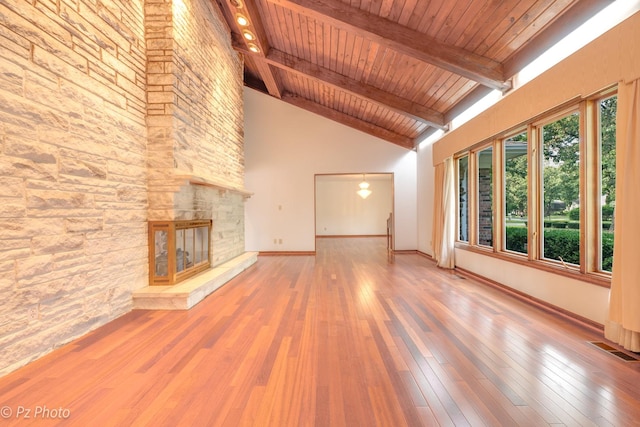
(623, 323)
(444, 214)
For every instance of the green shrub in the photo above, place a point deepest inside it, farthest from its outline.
(517, 239)
(607, 213)
(574, 225)
(606, 225)
(562, 244)
(574, 214)
(607, 251)
(559, 224)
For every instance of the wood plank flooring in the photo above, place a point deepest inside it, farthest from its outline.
(349, 337)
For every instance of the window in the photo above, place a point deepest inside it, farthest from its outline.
(548, 196)
(607, 109)
(485, 196)
(463, 202)
(516, 192)
(561, 189)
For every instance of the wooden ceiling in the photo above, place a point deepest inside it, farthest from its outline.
(395, 69)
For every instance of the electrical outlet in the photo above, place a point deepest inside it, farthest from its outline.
(275, 241)
(279, 241)
(34, 313)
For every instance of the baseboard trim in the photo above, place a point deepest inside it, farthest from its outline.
(347, 236)
(543, 305)
(286, 253)
(425, 255)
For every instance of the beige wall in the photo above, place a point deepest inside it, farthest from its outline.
(73, 155)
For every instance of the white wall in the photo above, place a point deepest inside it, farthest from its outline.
(425, 197)
(612, 57)
(340, 211)
(285, 147)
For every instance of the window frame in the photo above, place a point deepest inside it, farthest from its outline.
(503, 182)
(538, 127)
(457, 159)
(476, 202)
(593, 108)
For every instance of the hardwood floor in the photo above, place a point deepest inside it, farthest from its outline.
(346, 338)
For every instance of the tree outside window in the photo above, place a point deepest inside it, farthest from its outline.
(561, 189)
(516, 188)
(607, 120)
(463, 199)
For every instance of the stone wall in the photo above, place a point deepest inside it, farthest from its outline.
(225, 208)
(73, 199)
(94, 141)
(195, 115)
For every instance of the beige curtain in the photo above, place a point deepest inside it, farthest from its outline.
(444, 214)
(623, 324)
(438, 217)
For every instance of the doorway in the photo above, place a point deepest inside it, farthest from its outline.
(341, 212)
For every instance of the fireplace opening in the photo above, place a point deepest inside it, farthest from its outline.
(178, 250)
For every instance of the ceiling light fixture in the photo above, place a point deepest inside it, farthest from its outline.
(236, 3)
(364, 191)
(253, 48)
(242, 20)
(248, 35)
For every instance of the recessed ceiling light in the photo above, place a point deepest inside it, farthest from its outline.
(248, 35)
(242, 20)
(236, 3)
(254, 48)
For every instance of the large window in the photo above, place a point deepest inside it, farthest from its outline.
(516, 192)
(547, 196)
(607, 148)
(463, 199)
(561, 189)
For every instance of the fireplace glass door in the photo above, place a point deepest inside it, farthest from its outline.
(178, 250)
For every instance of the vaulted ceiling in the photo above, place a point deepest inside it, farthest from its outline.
(395, 69)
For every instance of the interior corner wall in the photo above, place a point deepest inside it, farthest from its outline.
(285, 147)
(425, 197)
(613, 57)
(73, 191)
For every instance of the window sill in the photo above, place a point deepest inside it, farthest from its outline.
(595, 278)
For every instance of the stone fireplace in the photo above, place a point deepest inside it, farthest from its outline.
(195, 153)
(199, 249)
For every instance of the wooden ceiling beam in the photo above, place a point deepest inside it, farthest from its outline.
(325, 76)
(350, 121)
(249, 10)
(404, 40)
